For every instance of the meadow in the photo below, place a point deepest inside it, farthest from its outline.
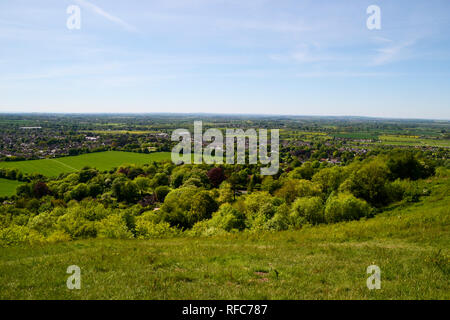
(397, 140)
(8, 187)
(410, 244)
(100, 160)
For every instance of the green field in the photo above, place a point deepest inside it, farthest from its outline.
(8, 187)
(119, 131)
(356, 135)
(412, 141)
(410, 245)
(100, 160)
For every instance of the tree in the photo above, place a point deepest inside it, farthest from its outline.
(142, 184)
(40, 189)
(86, 174)
(369, 183)
(345, 207)
(216, 176)
(176, 206)
(227, 218)
(79, 192)
(306, 171)
(294, 188)
(307, 210)
(125, 190)
(161, 192)
(226, 193)
(330, 178)
(202, 207)
(404, 165)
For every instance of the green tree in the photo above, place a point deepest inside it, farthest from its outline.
(345, 207)
(307, 210)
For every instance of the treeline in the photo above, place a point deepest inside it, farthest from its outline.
(162, 199)
(15, 174)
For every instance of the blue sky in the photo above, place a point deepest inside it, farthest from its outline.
(227, 56)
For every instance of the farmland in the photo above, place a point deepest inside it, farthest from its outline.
(398, 140)
(100, 160)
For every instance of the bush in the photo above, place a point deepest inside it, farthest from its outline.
(294, 188)
(146, 229)
(307, 210)
(113, 227)
(227, 218)
(369, 183)
(16, 235)
(345, 207)
(280, 221)
(161, 193)
(442, 172)
(58, 236)
(404, 165)
(74, 223)
(43, 223)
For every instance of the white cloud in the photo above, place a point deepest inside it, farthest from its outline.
(106, 15)
(392, 53)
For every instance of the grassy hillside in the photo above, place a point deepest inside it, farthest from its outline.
(100, 160)
(8, 187)
(410, 244)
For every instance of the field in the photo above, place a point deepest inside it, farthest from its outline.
(412, 141)
(410, 245)
(8, 187)
(120, 132)
(100, 160)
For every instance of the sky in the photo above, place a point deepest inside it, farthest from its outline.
(291, 57)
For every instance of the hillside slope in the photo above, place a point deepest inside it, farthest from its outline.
(410, 244)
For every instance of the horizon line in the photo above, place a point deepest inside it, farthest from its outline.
(217, 114)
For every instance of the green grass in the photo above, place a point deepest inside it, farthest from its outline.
(356, 135)
(412, 141)
(100, 160)
(410, 244)
(119, 131)
(8, 187)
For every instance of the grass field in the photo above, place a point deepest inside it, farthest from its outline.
(119, 131)
(412, 141)
(100, 160)
(409, 244)
(8, 187)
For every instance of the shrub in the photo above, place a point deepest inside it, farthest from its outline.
(216, 176)
(369, 183)
(146, 229)
(280, 220)
(113, 227)
(404, 165)
(294, 188)
(228, 218)
(43, 223)
(307, 210)
(161, 193)
(15, 235)
(442, 172)
(79, 192)
(330, 178)
(202, 207)
(345, 207)
(58, 236)
(74, 223)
